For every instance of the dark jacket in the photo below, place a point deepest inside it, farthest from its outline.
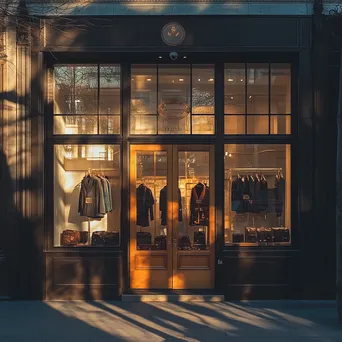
(145, 202)
(199, 205)
(107, 194)
(163, 205)
(91, 199)
(279, 195)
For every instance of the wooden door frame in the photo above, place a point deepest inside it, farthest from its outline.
(212, 233)
(133, 252)
(172, 231)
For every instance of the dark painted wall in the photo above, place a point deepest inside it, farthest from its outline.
(306, 270)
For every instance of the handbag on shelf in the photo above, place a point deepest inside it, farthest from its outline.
(70, 237)
(238, 237)
(144, 238)
(251, 234)
(104, 238)
(160, 242)
(264, 234)
(184, 242)
(145, 247)
(281, 234)
(199, 240)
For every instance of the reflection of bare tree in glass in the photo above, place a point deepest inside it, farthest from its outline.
(202, 98)
(76, 92)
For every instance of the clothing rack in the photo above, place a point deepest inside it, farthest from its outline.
(254, 169)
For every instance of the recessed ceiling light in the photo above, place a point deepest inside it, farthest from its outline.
(230, 80)
(199, 80)
(241, 80)
(181, 79)
(149, 80)
(211, 80)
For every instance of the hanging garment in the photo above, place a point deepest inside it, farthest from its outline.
(145, 202)
(91, 199)
(199, 205)
(163, 205)
(245, 195)
(279, 196)
(260, 199)
(107, 194)
(236, 195)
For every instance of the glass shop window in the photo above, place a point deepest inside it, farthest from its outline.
(257, 98)
(257, 194)
(151, 200)
(87, 201)
(87, 99)
(169, 99)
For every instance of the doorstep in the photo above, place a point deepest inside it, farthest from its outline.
(171, 296)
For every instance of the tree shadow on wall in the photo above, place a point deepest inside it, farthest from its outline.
(18, 240)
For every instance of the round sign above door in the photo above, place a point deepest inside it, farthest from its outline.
(173, 34)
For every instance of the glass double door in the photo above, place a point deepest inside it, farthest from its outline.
(172, 217)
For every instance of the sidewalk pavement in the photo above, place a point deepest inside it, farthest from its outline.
(104, 321)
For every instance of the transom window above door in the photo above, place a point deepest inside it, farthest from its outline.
(169, 99)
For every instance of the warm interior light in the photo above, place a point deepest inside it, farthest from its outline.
(250, 96)
(229, 155)
(232, 97)
(241, 80)
(181, 79)
(199, 80)
(149, 80)
(211, 80)
(230, 80)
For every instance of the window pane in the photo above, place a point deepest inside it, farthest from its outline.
(144, 124)
(280, 124)
(234, 124)
(87, 203)
(75, 124)
(151, 200)
(64, 97)
(257, 88)
(193, 182)
(203, 124)
(234, 89)
(174, 126)
(203, 89)
(280, 89)
(110, 89)
(257, 194)
(257, 124)
(86, 88)
(109, 124)
(174, 99)
(144, 89)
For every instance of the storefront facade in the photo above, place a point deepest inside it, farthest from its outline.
(179, 153)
